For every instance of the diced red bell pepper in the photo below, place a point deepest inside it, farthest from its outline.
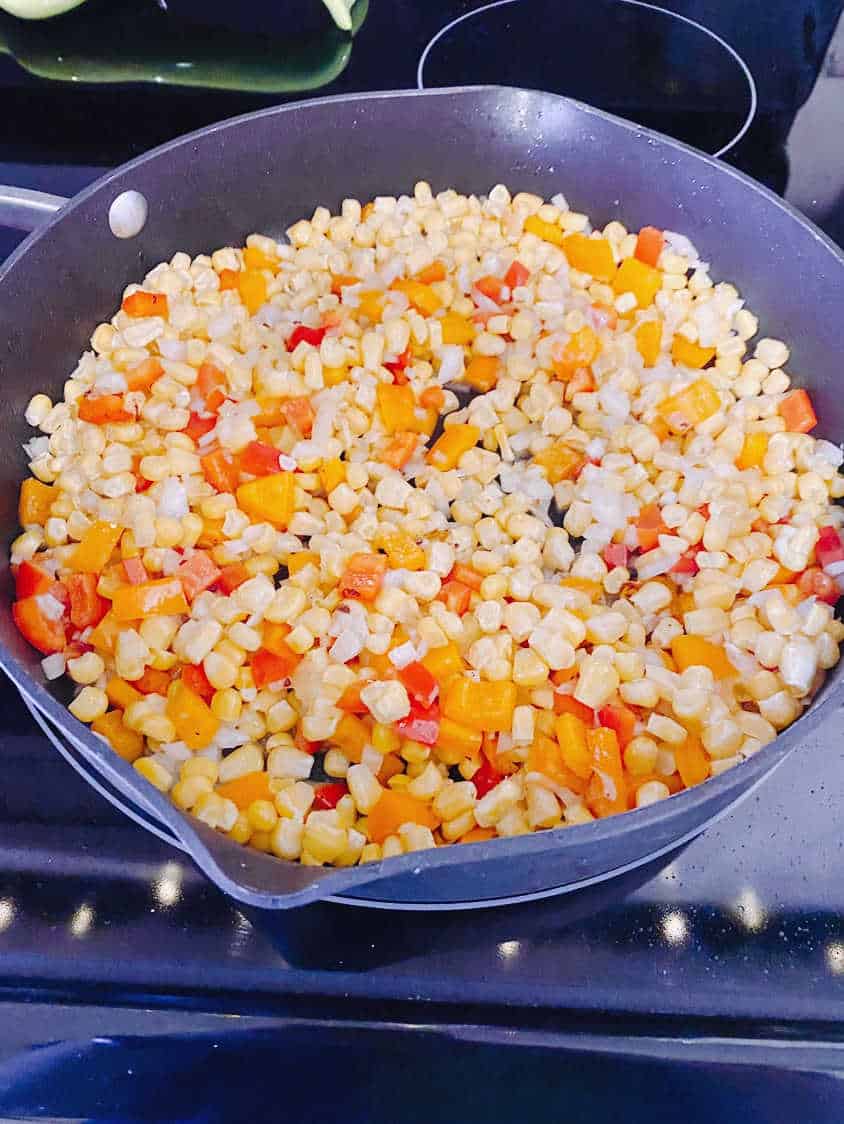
(568, 704)
(302, 743)
(220, 470)
(486, 778)
(829, 547)
(259, 459)
(87, 608)
(268, 667)
(649, 244)
(649, 526)
(685, 564)
(31, 579)
(815, 582)
(231, 577)
(397, 365)
(419, 683)
(350, 700)
(300, 333)
(328, 796)
(194, 677)
(363, 576)
(422, 724)
(198, 426)
(615, 554)
(197, 573)
(41, 630)
(516, 275)
(135, 571)
(620, 719)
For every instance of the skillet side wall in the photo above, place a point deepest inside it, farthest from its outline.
(263, 172)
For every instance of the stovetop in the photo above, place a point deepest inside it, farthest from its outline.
(742, 932)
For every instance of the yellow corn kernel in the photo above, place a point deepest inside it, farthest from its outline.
(154, 772)
(226, 705)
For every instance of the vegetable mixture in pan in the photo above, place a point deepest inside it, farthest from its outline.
(450, 518)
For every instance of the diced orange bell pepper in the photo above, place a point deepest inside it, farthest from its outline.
(468, 576)
(220, 470)
(455, 741)
(444, 662)
(649, 245)
(145, 304)
(270, 668)
(581, 350)
(351, 701)
(648, 341)
(491, 287)
(692, 761)
(363, 576)
(694, 651)
(164, 597)
(431, 273)
(454, 441)
(122, 694)
(546, 756)
(274, 639)
(133, 568)
(371, 305)
(643, 281)
(395, 808)
(419, 683)
(421, 297)
(568, 704)
(197, 573)
(482, 372)
(36, 500)
(797, 412)
(621, 719)
(351, 736)
(690, 354)
(332, 473)
(212, 534)
(403, 552)
(400, 450)
(299, 414)
(560, 462)
(588, 586)
(232, 576)
(477, 835)
(342, 281)
(455, 596)
(480, 705)
(196, 724)
(209, 378)
(95, 548)
(457, 329)
(252, 286)
(195, 678)
(517, 275)
(690, 406)
(590, 255)
(270, 499)
(547, 231)
(126, 743)
(143, 375)
(245, 790)
(37, 624)
(301, 559)
(432, 398)
(571, 734)
(87, 608)
(753, 451)
(606, 793)
(253, 258)
(103, 410)
(153, 682)
(104, 636)
(397, 406)
(228, 279)
(649, 526)
(258, 459)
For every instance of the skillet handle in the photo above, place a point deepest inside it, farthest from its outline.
(24, 209)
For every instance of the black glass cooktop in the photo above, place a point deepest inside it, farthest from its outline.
(741, 936)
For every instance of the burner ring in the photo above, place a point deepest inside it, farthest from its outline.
(643, 4)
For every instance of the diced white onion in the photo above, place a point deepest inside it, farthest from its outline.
(173, 349)
(53, 666)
